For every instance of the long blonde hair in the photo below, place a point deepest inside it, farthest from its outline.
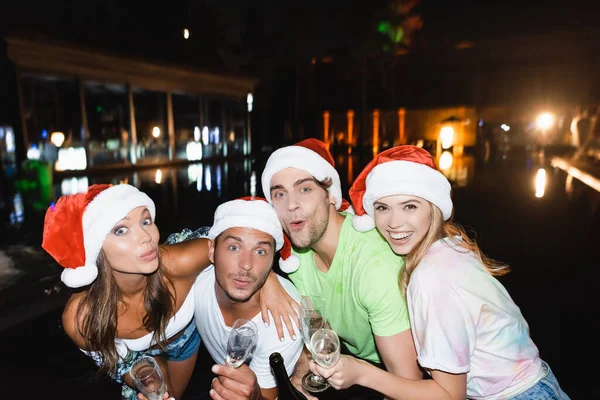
(439, 229)
(99, 306)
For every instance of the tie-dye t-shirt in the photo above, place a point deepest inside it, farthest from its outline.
(464, 321)
(360, 289)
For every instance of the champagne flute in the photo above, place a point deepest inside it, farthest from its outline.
(148, 378)
(242, 339)
(325, 345)
(312, 310)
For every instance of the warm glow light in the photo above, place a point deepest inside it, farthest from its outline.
(544, 121)
(186, 33)
(540, 182)
(57, 138)
(505, 127)
(446, 160)
(231, 136)
(158, 176)
(156, 131)
(197, 133)
(447, 137)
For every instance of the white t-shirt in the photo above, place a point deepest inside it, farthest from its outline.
(464, 321)
(214, 332)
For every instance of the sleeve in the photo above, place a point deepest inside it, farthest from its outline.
(443, 331)
(381, 296)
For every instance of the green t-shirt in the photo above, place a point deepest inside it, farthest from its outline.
(360, 289)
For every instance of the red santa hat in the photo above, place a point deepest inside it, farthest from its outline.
(77, 225)
(312, 156)
(407, 170)
(255, 213)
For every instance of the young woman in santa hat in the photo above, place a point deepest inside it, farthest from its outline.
(135, 296)
(469, 334)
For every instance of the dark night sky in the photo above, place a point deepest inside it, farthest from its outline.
(230, 32)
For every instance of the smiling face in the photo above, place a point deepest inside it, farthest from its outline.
(402, 220)
(302, 205)
(131, 247)
(242, 258)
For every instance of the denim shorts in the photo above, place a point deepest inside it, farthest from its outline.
(546, 388)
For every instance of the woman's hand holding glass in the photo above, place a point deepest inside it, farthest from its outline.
(345, 373)
(148, 378)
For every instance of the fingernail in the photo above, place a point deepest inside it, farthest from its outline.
(212, 392)
(294, 337)
(215, 369)
(282, 339)
(266, 324)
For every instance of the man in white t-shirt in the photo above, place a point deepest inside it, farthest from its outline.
(245, 235)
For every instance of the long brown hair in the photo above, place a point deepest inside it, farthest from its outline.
(99, 308)
(439, 229)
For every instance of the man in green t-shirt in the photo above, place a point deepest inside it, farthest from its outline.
(356, 273)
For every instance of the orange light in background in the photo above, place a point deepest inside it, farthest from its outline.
(401, 116)
(540, 183)
(350, 169)
(375, 132)
(326, 128)
(350, 117)
(57, 138)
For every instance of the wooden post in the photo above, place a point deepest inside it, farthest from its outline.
(326, 128)
(132, 128)
(85, 134)
(350, 117)
(170, 126)
(401, 131)
(375, 132)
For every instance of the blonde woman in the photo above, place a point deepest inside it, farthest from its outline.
(469, 334)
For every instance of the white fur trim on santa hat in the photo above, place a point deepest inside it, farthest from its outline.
(77, 277)
(408, 178)
(363, 223)
(290, 265)
(100, 216)
(252, 214)
(300, 157)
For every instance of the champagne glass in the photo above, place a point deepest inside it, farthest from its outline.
(312, 310)
(242, 339)
(325, 345)
(148, 378)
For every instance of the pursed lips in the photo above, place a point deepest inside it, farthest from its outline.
(149, 255)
